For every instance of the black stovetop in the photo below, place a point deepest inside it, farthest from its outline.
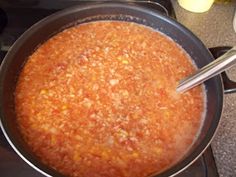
(18, 15)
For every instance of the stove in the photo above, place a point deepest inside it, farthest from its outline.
(16, 16)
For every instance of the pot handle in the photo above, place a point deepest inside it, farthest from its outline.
(229, 85)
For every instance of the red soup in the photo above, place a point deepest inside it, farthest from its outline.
(99, 100)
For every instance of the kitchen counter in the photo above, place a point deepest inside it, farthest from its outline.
(215, 28)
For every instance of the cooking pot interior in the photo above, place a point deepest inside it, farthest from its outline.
(43, 30)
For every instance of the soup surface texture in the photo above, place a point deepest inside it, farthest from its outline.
(99, 100)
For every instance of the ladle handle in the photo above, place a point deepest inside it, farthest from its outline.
(212, 69)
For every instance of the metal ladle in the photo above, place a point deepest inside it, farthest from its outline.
(212, 69)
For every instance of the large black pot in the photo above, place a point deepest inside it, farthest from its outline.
(40, 32)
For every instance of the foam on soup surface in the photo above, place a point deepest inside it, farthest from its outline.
(99, 100)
